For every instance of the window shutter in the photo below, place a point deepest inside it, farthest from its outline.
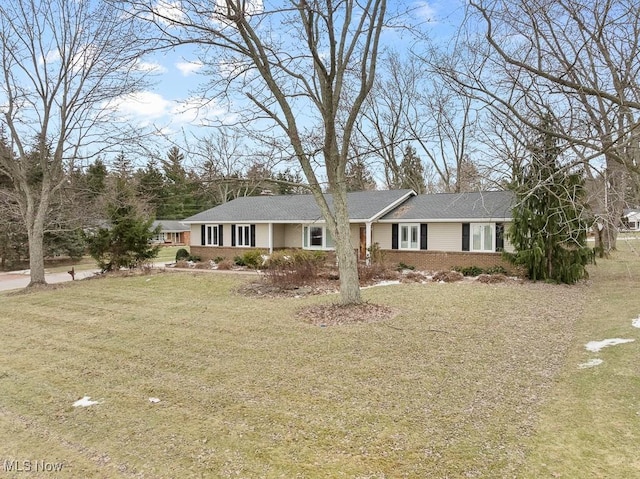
(220, 235)
(253, 235)
(233, 235)
(394, 236)
(203, 234)
(423, 236)
(499, 236)
(465, 236)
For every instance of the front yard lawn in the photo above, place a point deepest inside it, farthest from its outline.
(452, 386)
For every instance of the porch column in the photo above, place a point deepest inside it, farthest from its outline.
(368, 242)
(270, 238)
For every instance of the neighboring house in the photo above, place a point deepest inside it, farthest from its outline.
(427, 231)
(631, 219)
(173, 233)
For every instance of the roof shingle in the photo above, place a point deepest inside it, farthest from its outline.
(362, 205)
(455, 206)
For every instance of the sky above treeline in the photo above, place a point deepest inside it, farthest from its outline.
(173, 105)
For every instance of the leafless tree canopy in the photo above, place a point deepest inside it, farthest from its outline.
(66, 65)
(304, 67)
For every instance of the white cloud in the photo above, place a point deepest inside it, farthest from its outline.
(150, 67)
(149, 108)
(145, 106)
(426, 11)
(198, 112)
(168, 12)
(189, 68)
(52, 56)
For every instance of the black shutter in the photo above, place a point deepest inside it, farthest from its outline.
(253, 236)
(203, 233)
(233, 235)
(499, 236)
(220, 235)
(423, 236)
(465, 236)
(394, 236)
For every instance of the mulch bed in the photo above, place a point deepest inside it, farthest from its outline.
(335, 314)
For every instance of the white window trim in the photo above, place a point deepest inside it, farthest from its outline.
(493, 238)
(409, 225)
(306, 238)
(206, 235)
(239, 236)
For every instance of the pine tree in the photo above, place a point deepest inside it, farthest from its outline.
(359, 177)
(549, 228)
(126, 243)
(179, 188)
(412, 171)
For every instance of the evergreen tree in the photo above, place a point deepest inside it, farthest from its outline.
(123, 167)
(96, 178)
(359, 177)
(126, 243)
(150, 187)
(549, 229)
(179, 196)
(289, 182)
(412, 171)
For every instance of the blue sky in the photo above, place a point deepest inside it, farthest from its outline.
(172, 104)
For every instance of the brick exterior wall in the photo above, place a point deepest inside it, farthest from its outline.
(207, 253)
(445, 260)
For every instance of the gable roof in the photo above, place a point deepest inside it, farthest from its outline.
(362, 205)
(484, 205)
(170, 225)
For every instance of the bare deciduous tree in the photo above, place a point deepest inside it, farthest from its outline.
(307, 67)
(579, 60)
(63, 65)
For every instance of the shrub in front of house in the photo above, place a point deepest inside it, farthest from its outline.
(225, 264)
(182, 254)
(447, 276)
(496, 270)
(469, 270)
(251, 259)
(402, 266)
(375, 272)
(289, 269)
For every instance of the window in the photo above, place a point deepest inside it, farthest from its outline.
(316, 237)
(482, 237)
(409, 236)
(212, 233)
(243, 235)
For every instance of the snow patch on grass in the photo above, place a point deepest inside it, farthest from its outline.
(85, 402)
(590, 364)
(382, 283)
(595, 346)
(636, 322)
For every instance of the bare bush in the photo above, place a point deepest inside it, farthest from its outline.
(289, 269)
(375, 272)
(225, 265)
(492, 278)
(448, 276)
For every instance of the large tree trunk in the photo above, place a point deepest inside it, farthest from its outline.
(35, 219)
(614, 204)
(346, 253)
(36, 255)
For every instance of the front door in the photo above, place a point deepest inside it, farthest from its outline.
(363, 243)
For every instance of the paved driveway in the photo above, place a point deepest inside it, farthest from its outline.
(20, 279)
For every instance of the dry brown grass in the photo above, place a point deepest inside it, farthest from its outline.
(450, 387)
